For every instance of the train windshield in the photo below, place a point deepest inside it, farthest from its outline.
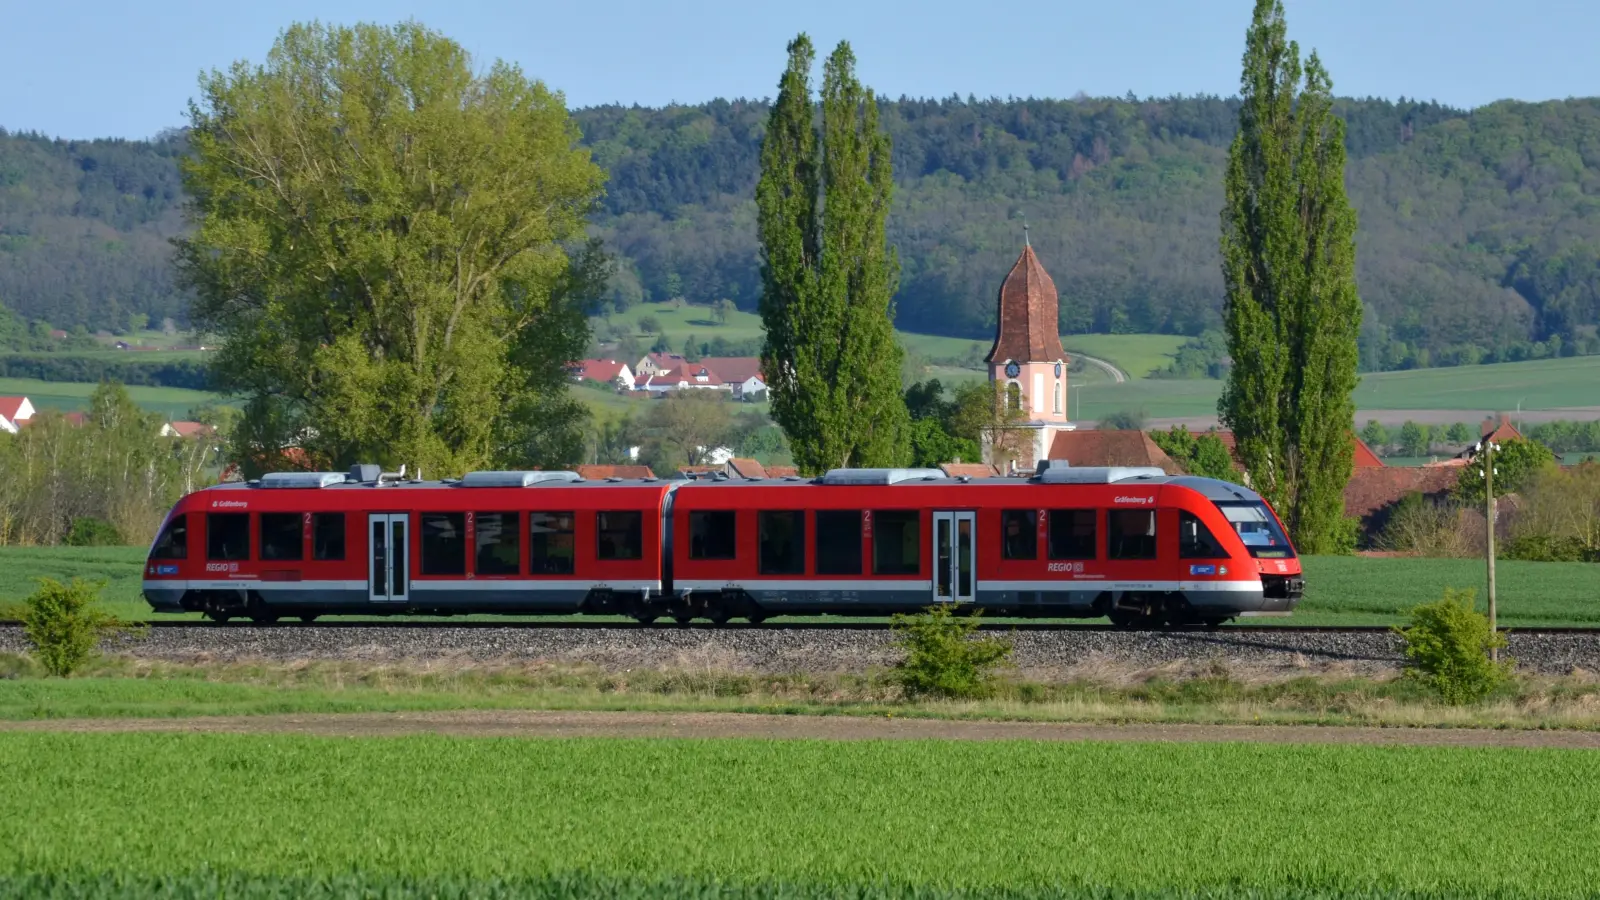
(1258, 530)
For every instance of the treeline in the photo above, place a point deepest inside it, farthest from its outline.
(178, 373)
(110, 480)
(1414, 439)
(1478, 240)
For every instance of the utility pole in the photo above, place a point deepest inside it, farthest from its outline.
(1487, 459)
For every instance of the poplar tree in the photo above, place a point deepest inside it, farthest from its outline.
(1292, 313)
(828, 274)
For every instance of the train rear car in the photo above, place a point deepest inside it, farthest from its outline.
(307, 544)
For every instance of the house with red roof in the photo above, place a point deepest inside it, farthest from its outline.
(658, 364)
(604, 371)
(600, 473)
(13, 412)
(182, 429)
(742, 375)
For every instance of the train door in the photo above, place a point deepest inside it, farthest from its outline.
(388, 577)
(955, 549)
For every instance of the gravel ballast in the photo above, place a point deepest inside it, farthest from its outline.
(1037, 653)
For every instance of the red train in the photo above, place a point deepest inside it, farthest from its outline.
(1133, 544)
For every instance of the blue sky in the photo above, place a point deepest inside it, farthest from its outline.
(95, 68)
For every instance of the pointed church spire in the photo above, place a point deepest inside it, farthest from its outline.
(1027, 327)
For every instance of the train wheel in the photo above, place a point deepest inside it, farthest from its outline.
(719, 616)
(756, 618)
(644, 618)
(1123, 618)
(264, 619)
(683, 620)
(218, 616)
(308, 619)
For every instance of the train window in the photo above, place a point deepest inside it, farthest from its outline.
(281, 537)
(838, 540)
(711, 534)
(173, 542)
(1258, 529)
(228, 536)
(1019, 536)
(896, 542)
(552, 548)
(1132, 533)
(498, 543)
(1072, 534)
(1195, 540)
(444, 543)
(620, 534)
(327, 536)
(782, 536)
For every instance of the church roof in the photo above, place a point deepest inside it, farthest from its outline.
(1028, 327)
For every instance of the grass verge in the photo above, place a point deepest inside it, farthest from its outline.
(846, 818)
(120, 687)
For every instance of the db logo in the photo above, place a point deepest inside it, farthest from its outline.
(222, 567)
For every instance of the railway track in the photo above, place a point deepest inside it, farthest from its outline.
(523, 624)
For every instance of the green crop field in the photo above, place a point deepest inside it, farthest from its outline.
(1340, 590)
(67, 396)
(744, 818)
(1357, 590)
(1539, 384)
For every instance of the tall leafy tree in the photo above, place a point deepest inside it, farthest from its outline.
(378, 239)
(1288, 262)
(828, 273)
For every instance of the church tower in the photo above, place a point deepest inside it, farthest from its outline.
(1027, 364)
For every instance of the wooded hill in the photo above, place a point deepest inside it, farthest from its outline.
(1479, 230)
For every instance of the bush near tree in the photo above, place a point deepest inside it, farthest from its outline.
(1447, 649)
(64, 626)
(1199, 454)
(944, 658)
(1514, 464)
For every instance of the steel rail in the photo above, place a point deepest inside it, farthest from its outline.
(523, 624)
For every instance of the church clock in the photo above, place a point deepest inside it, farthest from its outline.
(1013, 370)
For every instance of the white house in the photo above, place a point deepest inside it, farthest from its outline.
(658, 364)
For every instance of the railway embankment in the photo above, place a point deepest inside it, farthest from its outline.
(1042, 654)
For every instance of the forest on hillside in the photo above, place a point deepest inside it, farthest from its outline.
(1479, 229)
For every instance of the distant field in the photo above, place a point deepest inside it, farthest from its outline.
(133, 356)
(1537, 385)
(1340, 590)
(66, 396)
(678, 324)
(284, 815)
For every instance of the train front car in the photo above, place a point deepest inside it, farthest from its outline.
(1140, 547)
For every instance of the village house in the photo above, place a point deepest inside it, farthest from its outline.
(657, 364)
(13, 412)
(605, 371)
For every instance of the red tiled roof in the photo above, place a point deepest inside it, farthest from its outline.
(1365, 458)
(1112, 448)
(10, 406)
(1372, 489)
(746, 468)
(665, 361)
(190, 429)
(597, 473)
(694, 373)
(1028, 326)
(1489, 431)
(605, 370)
(969, 470)
(732, 369)
(782, 471)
